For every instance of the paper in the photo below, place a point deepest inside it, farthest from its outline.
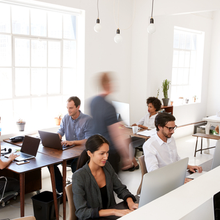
(148, 133)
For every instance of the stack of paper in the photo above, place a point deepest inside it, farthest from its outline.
(147, 133)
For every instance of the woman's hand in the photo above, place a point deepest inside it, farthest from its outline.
(142, 126)
(121, 212)
(13, 156)
(131, 205)
(115, 212)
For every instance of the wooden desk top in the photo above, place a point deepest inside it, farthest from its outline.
(129, 132)
(40, 161)
(63, 155)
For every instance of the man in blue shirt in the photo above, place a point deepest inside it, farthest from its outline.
(76, 127)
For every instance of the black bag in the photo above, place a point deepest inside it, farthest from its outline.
(216, 202)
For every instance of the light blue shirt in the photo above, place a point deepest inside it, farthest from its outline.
(77, 129)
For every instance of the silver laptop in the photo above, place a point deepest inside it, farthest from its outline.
(215, 162)
(52, 140)
(163, 180)
(28, 149)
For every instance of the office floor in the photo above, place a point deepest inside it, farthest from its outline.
(185, 147)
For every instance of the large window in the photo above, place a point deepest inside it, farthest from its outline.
(38, 64)
(187, 66)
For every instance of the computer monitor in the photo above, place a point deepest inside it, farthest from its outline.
(123, 112)
(163, 180)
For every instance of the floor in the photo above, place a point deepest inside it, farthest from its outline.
(185, 147)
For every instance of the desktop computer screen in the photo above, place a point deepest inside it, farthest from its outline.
(123, 112)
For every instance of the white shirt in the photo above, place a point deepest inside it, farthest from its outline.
(148, 121)
(159, 153)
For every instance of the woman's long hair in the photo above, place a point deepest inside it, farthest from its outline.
(92, 144)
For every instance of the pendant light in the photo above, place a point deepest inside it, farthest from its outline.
(118, 38)
(151, 28)
(97, 27)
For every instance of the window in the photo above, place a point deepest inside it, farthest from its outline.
(187, 66)
(39, 65)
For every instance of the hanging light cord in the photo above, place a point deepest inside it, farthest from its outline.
(98, 8)
(117, 20)
(152, 8)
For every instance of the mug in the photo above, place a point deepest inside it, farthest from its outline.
(135, 129)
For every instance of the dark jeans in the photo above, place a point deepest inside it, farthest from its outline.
(12, 185)
(58, 176)
(137, 142)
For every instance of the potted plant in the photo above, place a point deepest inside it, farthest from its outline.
(20, 123)
(165, 87)
(58, 119)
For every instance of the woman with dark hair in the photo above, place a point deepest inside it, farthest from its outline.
(147, 122)
(95, 181)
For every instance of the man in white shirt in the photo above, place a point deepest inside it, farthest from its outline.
(160, 150)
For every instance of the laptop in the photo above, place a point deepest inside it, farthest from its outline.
(28, 149)
(163, 180)
(215, 162)
(52, 140)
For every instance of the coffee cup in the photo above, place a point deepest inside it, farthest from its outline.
(135, 129)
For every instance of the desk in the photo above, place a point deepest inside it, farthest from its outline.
(62, 156)
(40, 161)
(212, 120)
(129, 132)
(188, 202)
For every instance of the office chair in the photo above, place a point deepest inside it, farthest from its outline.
(143, 171)
(72, 209)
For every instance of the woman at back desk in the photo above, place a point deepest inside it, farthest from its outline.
(147, 122)
(94, 183)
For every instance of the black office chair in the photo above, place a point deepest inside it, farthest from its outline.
(5, 197)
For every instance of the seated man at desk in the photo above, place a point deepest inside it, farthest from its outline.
(160, 150)
(76, 127)
(12, 184)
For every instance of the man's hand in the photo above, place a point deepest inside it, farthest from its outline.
(194, 168)
(67, 143)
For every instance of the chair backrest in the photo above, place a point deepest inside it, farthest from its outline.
(72, 208)
(143, 171)
(25, 218)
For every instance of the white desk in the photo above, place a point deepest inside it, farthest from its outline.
(188, 202)
(212, 120)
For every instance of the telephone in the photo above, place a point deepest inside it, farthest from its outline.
(17, 139)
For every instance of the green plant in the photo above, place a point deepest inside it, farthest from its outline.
(158, 92)
(165, 87)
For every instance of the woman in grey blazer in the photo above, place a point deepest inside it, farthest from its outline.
(94, 183)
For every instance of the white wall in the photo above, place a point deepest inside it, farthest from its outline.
(101, 52)
(150, 71)
(141, 61)
(160, 61)
(213, 102)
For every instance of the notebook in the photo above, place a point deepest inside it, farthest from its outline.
(52, 140)
(163, 180)
(28, 149)
(215, 162)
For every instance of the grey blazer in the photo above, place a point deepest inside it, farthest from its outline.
(86, 193)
